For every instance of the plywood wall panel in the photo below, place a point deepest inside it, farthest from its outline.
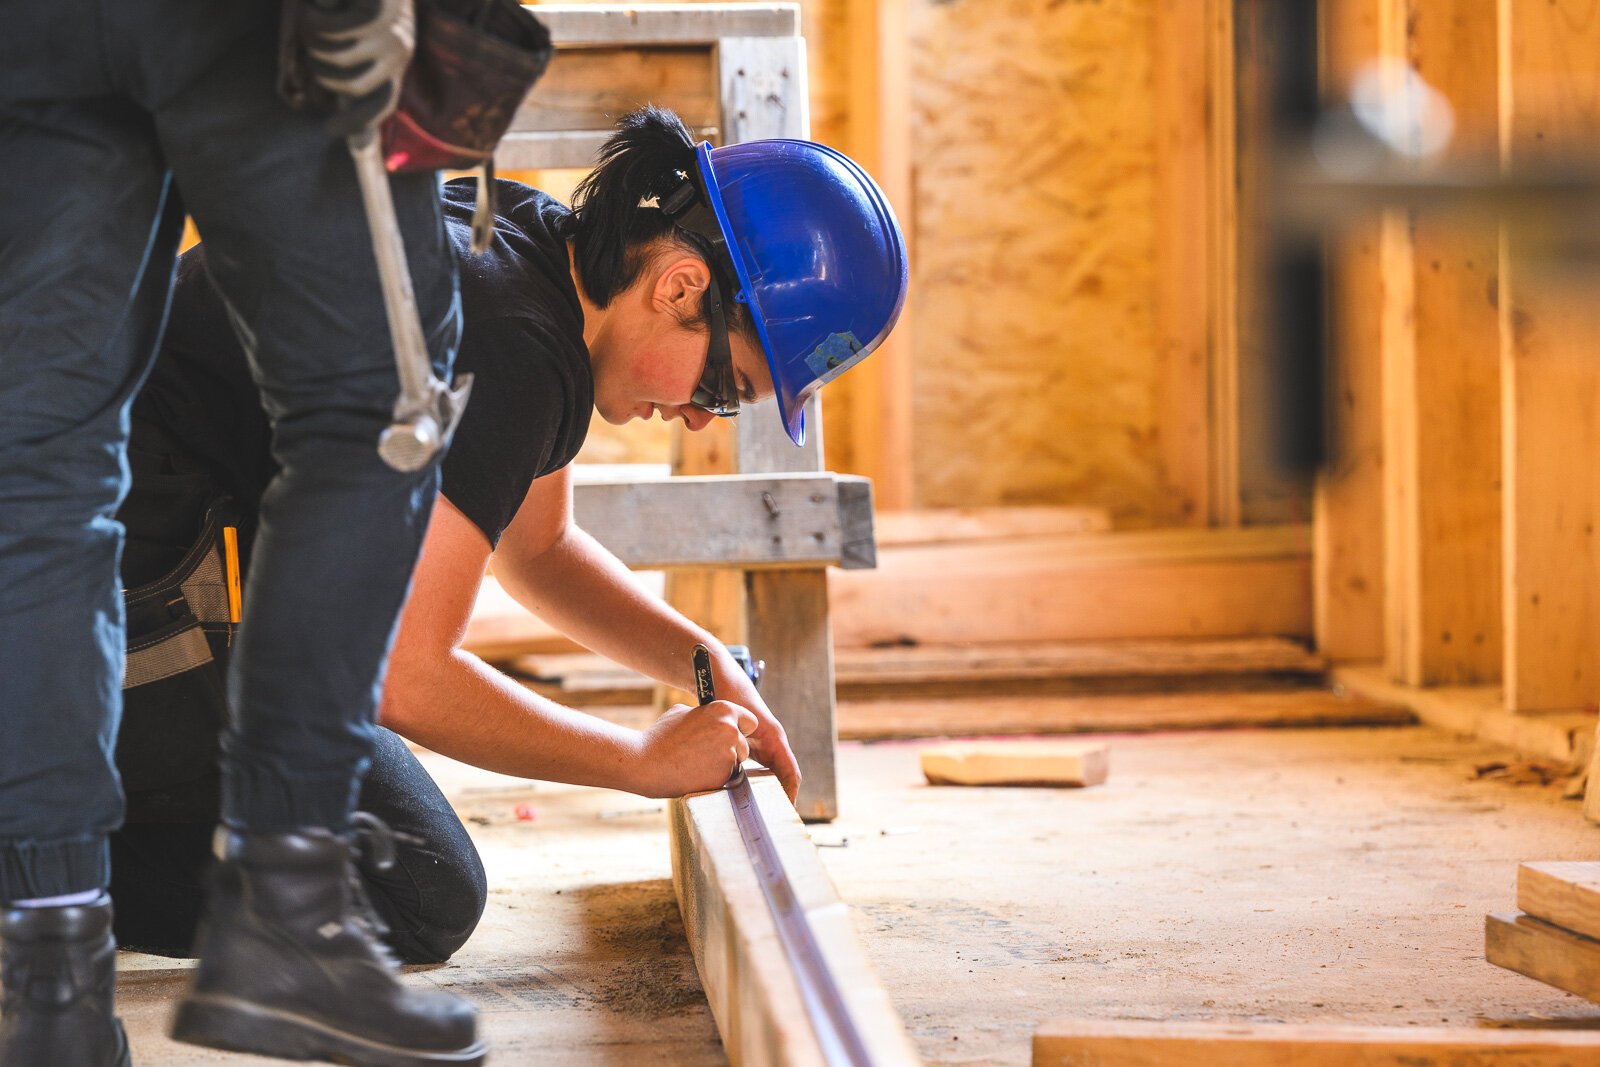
(1033, 147)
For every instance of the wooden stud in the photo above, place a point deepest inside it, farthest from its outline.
(1441, 380)
(1184, 285)
(1545, 952)
(747, 976)
(878, 406)
(1017, 763)
(1098, 1043)
(1563, 894)
(1347, 512)
(1550, 106)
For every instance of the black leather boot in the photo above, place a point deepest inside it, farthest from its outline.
(60, 979)
(291, 965)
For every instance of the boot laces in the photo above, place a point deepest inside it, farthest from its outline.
(372, 847)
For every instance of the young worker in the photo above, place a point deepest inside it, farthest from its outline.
(684, 283)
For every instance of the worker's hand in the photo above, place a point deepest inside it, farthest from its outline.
(358, 51)
(692, 750)
(769, 745)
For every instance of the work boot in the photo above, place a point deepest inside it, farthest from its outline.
(60, 977)
(291, 964)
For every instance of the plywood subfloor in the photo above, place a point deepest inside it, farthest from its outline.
(1293, 875)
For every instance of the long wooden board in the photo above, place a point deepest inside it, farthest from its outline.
(1564, 894)
(1159, 584)
(1544, 952)
(950, 671)
(743, 521)
(1098, 1043)
(743, 967)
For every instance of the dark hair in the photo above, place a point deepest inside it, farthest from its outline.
(612, 228)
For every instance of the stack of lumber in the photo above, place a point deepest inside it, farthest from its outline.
(1555, 936)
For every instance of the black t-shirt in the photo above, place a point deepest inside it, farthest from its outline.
(522, 340)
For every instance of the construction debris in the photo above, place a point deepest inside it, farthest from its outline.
(1040, 763)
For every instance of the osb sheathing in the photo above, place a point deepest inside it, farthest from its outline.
(1034, 270)
(1033, 273)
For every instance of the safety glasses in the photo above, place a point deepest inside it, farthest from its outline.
(717, 392)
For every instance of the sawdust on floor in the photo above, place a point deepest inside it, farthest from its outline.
(1290, 875)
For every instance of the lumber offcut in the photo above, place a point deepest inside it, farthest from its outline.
(1566, 894)
(1043, 763)
(743, 967)
(1544, 951)
(1098, 1043)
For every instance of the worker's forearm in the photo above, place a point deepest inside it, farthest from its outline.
(463, 708)
(584, 591)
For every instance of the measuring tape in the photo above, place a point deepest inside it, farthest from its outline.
(831, 1021)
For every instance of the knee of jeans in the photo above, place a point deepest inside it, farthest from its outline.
(455, 904)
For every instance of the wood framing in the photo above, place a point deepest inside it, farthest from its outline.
(1177, 583)
(1101, 1043)
(1564, 894)
(1544, 951)
(1549, 107)
(1347, 511)
(744, 970)
(1566, 737)
(1441, 440)
(749, 521)
(880, 720)
(878, 433)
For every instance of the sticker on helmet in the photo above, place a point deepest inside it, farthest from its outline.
(831, 353)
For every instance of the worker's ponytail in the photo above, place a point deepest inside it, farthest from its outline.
(644, 159)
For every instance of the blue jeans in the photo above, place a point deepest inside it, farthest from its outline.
(116, 118)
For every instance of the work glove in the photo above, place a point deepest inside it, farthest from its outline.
(358, 51)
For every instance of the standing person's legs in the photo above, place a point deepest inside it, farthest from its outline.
(89, 224)
(288, 961)
(431, 898)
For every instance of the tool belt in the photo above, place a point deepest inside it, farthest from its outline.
(179, 628)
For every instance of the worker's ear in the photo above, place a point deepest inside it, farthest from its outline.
(678, 287)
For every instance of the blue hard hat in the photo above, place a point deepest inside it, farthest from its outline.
(819, 256)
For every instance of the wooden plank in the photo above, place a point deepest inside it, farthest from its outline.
(1544, 952)
(746, 974)
(1480, 712)
(762, 89)
(1194, 583)
(1185, 287)
(1223, 261)
(1017, 763)
(1116, 1043)
(789, 629)
(1441, 381)
(1591, 795)
(740, 521)
(1563, 894)
(590, 88)
(596, 24)
(878, 431)
(935, 526)
(1550, 106)
(1347, 509)
(955, 671)
(1132, 713)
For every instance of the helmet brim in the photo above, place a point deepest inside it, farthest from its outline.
(791, 407)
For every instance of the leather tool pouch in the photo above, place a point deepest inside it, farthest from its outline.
(475, 62)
